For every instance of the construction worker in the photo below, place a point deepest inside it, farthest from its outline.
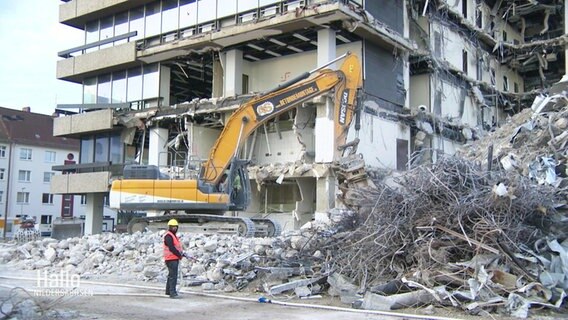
(173, 253)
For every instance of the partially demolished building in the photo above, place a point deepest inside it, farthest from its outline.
(160, 78)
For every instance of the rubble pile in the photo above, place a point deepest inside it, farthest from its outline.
(460, 236)
(222, 262)
(532, 143)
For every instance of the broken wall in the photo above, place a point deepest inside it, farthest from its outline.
(420, 93)
(203, 140)
(266, 74)
(295, 214)
(280, 146)
(380, 138)
(441, 145)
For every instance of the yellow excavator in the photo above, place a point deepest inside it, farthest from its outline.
(223, 183)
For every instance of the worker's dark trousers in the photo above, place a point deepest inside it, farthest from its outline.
(172, 277)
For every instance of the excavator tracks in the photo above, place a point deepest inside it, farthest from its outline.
(209, 224)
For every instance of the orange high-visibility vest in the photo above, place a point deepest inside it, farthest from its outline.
(168, 255)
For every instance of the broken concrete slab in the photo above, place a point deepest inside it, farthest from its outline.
(302, 291)
(292, 285)
(373, 301)
(347, 291)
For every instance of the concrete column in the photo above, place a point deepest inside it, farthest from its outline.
(324, 147)
(324, 130)
(157, 152)
(94, 213)
(325, 196)
(217, 85)
(165, 79)
(233, 73)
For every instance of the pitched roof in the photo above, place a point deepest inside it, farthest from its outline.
(33, 129)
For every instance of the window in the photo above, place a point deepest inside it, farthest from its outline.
(106, 30)
(116, 149)
(2, 172)
(25, 154)
(479, 69)
(46, 198)
(464, 8)
(119, 87)
(169, 15)
(245, 84)
(493, 77)
(187, 13)
(504, 36)
(1, 196)
(50, 156)
(479, 18)
(464, 61)
(90, 90)
(137, 22)
(101, 148)
(45, 219)
(134, 84)
(120, 26)
(516, 86)
(150, 83)
(92, 34)
(505, 83)
(24, 175)
(23, 197)
(87, 149)
(83, 199)
(47, 176)
(2, 151)
(153, 19)
(103, 90)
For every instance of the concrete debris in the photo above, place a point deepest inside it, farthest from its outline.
(224, 263)
(373, 301)
(302, 292)
(532, 143)
(293, 285)
(342, 287)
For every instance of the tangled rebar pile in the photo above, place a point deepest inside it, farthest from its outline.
(447, 212)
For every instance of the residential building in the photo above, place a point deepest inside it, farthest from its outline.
(28, 151)
(160, 78)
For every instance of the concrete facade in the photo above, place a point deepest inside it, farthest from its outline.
(94, 121)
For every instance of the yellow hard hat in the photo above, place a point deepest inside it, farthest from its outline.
(173, 223)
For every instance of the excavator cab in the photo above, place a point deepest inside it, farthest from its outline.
(234, 182)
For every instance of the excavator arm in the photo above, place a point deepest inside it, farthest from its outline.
(261, 109)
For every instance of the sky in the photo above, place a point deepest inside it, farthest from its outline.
(30, 37)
